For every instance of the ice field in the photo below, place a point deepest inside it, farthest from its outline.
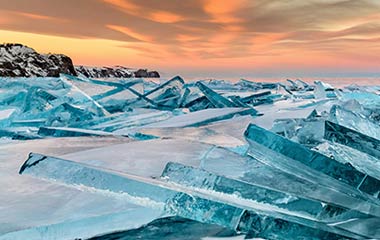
(124, 159)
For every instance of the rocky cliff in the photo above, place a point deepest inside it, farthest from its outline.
(115, 72)
(17, 60)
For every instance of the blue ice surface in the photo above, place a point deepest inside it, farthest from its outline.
(247, 159)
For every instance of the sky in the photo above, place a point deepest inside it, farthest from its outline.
(204, 38)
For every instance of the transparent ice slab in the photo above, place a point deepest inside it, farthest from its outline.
(167, 95)
(146, 192)
(301, 208)
(354, 121)
(311, 159)
(192, 206)
(19, 133)
(354, 139)
(288, 203)
(216, 99)
(308, 131)
(257, 172)
(364, 162)
(70, 132)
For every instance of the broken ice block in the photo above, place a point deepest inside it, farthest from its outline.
(323, 90)
(364, 162)
(289, 204)
(319, 162)
(167, 94)
(69, 132)
(251, 98)
(305, 131)
(281, 202)
(354, 121)
(162, 196)
(343, 135)
(216, 99)
(252, 171)
(19, 133)
(141, 190)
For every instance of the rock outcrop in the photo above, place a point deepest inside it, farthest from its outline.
(17, 60)
(104, 72)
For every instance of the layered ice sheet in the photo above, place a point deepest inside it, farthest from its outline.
(115, 158)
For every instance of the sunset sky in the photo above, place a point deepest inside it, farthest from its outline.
(204, 37)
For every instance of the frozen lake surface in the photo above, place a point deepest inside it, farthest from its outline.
(210, 159)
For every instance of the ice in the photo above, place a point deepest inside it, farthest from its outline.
(319, 162)
(215, 99)
(144, 191)
(256, 172)
(119, 157)
(354, 121)
(69, 132)
(352, 138)
(27, 202)
(160, 196)
(291, 204)
(360, 160)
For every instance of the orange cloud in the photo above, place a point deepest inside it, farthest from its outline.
(35, 16)
(132, 33)
(225, 12)
(125, 5)
(165, 17)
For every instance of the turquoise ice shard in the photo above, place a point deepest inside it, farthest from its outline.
(323, 90)
(69, 132)
(251, 98)
(159, 195)
(246, 193)
(308, 131)
(343, 135)
(19, 133)
(366, 163)
(354, 121)
(319, 162)
(167, 94)
(288, 180)
(147, 192)
(282, 202)
(216, 99)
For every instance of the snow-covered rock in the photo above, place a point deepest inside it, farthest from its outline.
(17, 60)
(115, 72)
